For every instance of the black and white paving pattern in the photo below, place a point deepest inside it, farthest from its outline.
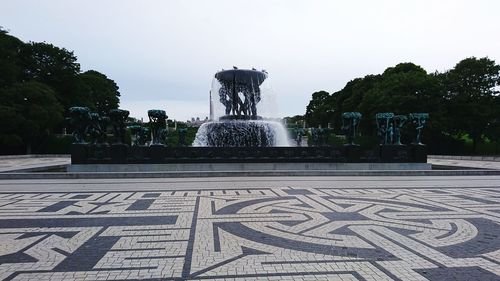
(411, 228)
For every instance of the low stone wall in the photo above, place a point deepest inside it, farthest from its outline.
(249, 167)
(158, 154)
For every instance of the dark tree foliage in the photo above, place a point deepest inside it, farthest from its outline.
(350, 97)
(462, 102)
(472, 98)
(317, 112)
(57, 68)
(38, 82)
(103, 92)
(297, 121)
(10, 68)
(402, 89)
(28, 110)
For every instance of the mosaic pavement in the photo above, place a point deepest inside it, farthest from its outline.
(253, 234)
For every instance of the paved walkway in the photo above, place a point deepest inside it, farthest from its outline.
(290, 228)
(476, 164)
(25, 163)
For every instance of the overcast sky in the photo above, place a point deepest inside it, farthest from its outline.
(163, 53)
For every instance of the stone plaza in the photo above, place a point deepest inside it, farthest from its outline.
(251, 228)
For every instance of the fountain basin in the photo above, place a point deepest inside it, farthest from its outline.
(241, 133)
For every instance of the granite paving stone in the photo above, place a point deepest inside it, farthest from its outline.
(290, 228)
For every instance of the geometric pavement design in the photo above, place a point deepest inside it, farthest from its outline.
(252, 234)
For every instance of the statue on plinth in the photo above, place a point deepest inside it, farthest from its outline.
(79, 120)
(419, 120)
(118, 118)
(97, 128)
(240, 92)
(350, 122)
(158, 126)
(399, 122)
(385, 128)
(140, 135)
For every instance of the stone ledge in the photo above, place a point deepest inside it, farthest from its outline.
(315, 173)
(244, 167)
(471, 158)
(27, 156)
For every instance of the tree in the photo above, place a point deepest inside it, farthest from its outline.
(294, 121)
(28, 111)
(103, 91)
(403, 89)
(319, 110)
(57, 68)
(472, 97)
(10, 69)
(350, 98)
(463, 101)
(37, 82)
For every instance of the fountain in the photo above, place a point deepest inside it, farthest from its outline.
(239, 92)
(238, 139)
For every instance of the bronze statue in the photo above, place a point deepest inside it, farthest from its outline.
(399, 122)
(158, 126)
(350, 122)
(80, 120)
(419, 120)
(97, 128)
(240, 92)
(385, 129)
(140, 135)
(118, 117)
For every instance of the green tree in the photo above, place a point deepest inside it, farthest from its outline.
(10, 69)
(57, 68)
(103, 91)
(37, 82)
(28, 111)
(319, 111)
(403, 89)
(350, 98)
(472, 97)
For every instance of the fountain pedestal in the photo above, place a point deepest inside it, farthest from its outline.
(394, 153)
(118, 153)
(156, 153)
(79, 152)
(239, 93)
(241, 133)
(418, 152)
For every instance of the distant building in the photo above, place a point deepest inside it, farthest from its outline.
(196, 122)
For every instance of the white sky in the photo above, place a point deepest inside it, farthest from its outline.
(163, 53)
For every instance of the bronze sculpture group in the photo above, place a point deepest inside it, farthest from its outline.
(158, 126)
(148, 143)
(90, 127)
(389, 126)
(239, 92)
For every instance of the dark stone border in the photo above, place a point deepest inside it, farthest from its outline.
(158, 154)
(176, 174)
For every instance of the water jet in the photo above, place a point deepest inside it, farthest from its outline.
(239, 91)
